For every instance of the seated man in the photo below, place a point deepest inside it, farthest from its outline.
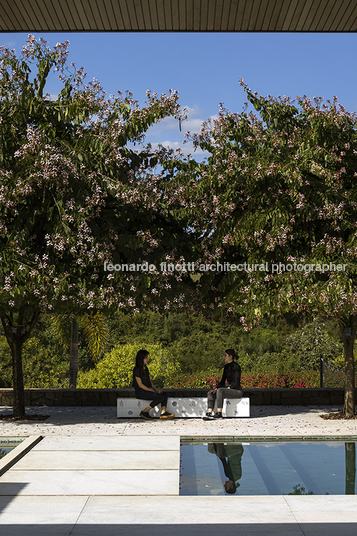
(231, 375)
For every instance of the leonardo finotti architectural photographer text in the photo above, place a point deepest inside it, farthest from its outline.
(226, 267)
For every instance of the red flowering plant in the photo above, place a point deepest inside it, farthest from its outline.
(251, 381)
(281, 380)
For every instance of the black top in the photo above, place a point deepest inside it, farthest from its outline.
(144, 375)
(231, 373)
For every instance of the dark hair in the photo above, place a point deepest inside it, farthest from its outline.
(233, 489)
(232, 353)
(139, 361)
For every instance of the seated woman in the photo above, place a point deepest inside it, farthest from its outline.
(231, 375)
(145, 389)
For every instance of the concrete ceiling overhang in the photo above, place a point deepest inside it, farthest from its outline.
(178, 15)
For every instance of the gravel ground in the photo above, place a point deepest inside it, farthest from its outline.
(273, 421)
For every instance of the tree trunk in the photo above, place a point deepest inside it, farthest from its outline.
(16, 337)
(350, 460)
(73, 356)
(18, 380)
(348, 333)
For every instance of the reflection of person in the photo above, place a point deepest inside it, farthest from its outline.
(231, 458)
(145, 389)
(231, 375)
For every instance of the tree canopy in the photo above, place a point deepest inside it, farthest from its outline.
(74, 195)
(277, 198)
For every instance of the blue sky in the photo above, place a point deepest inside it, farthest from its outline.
(206, 68)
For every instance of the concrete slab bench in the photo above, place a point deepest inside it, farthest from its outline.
(183, 407)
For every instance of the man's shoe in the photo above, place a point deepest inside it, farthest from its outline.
(218, 415)
(208, 416)
(146, 415)
(167, 415)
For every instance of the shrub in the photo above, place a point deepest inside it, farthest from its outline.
(199, 351)
(116, 368)
(5, 364)
(43, 366)
(207, 379)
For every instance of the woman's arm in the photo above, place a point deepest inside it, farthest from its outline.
(223, 380)
(220, 384)
(141, 385)
(155, 388)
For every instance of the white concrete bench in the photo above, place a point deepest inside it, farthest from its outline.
(183, 407)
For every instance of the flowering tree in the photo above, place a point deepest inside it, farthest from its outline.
(278, 193)
(74, 196)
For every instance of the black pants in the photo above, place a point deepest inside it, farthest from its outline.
(221, 393)
(156, 398)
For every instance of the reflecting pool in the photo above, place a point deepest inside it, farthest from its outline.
(291, 468)
(8, 443)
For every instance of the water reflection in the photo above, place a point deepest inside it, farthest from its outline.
(350, 457)
(230, 456)
(267, 468)
(4, 451)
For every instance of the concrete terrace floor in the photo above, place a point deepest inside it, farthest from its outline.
(93, 474)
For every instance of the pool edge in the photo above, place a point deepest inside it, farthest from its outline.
(18, 452)
(262, 439)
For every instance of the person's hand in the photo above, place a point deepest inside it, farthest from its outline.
(211, 391)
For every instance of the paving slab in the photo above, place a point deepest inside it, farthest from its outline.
(109, 516)
(232, 515)
(98, 460)
(109, 443)
(82, 466)
(325, 515)
(322, 503)
(55, 510)
(186, 510)
(78, 482)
